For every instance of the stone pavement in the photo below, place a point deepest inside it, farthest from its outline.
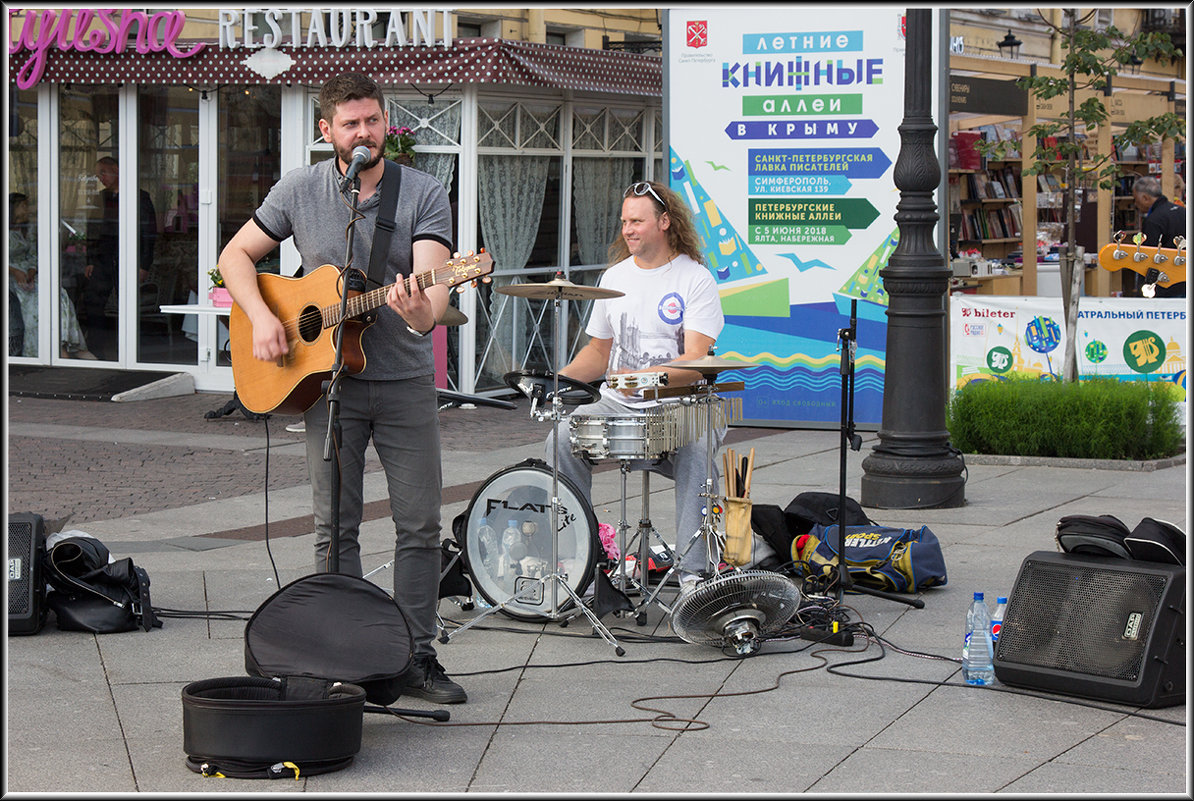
(552, 709)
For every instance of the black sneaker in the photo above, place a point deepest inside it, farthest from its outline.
(427, 679)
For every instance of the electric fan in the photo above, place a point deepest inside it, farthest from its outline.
(739, 609)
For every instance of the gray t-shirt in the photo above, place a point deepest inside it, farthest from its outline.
(307, 204)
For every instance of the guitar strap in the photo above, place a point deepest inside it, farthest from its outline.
(384, 230)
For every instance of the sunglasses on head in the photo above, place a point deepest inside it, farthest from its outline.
(644, 188)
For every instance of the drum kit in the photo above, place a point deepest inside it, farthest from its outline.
(530, 538)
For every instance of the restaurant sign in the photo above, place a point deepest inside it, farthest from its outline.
(109, 30)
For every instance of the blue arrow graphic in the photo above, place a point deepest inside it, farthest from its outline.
(802, 129)
(799, 184)
(863, 162)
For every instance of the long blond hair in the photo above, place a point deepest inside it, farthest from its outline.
(682, 236)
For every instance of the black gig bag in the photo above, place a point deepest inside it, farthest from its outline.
(1157, 541)
(1093, 535)
(316, 651)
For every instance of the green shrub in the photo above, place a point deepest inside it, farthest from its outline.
(1095, 419)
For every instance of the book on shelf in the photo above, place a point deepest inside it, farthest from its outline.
(955, 195)
(1009, 134)
(1011, 180)
(968, 156)
(996, 188)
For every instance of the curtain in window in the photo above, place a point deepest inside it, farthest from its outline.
(597, 187)
(442, 166)
(511, 190)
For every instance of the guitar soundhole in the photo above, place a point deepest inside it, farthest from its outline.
(310, 324)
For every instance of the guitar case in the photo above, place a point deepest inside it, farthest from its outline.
(316, 651)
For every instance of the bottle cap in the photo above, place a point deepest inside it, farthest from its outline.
(1001, 600)
(978, 596)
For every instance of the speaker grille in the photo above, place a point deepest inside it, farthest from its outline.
(20, 568)
(1092, 620)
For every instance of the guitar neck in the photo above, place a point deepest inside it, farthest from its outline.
(376, 298)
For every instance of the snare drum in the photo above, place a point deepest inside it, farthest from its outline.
(631, 436)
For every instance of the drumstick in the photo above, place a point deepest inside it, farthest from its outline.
(725, 466)
(750, 468)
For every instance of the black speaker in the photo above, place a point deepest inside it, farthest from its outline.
(26, 587)
(1096, 627)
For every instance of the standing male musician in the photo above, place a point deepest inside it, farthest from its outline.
(393, 400)
(670, 310)
(1162, 221)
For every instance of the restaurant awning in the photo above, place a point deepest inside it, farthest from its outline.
(475, 60)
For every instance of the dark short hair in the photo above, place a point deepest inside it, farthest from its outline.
(1147, 185)
(344, 87)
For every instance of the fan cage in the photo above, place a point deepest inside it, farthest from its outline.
(730, 596)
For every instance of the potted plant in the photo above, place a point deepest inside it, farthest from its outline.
(218, 295)
(400, 145)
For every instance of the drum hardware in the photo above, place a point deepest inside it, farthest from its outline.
(705, 411)
(534, 386)
(453, 316)
(691, 389)
(627, 381)
(559, 288)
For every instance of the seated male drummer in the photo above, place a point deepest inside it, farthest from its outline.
(669, 310)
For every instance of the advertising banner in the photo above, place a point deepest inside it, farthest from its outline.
(1129, 339)
(782, 131)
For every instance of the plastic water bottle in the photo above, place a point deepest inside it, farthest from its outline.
(488, 541)
(511, 536)
(978, 665)
(997, 618)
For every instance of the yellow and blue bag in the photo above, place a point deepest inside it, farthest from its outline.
(882, 557)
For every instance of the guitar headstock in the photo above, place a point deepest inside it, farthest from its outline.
(468, 267)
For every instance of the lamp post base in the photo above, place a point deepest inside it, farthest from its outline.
(913, 483)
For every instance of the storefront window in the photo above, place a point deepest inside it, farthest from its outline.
(89, 239)
(22, 225)
(250, 163)
(167, 219)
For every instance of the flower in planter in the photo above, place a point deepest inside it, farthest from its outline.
(216, 278)
(400, 142)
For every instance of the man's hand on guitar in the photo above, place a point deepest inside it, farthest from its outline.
(269, 338)
(414, 306)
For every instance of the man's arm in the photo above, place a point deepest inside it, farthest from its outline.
(421, 308)
(696, 346)
(238, 265)
(590, 362)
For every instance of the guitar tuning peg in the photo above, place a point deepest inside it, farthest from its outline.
(1179, 242)
(1119, 237)
(460, 289)
(456, 255)
(487, 279)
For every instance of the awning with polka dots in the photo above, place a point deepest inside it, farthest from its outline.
(476, 60)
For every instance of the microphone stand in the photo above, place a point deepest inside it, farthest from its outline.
(848, 338)
(331, 388)
(331, 443)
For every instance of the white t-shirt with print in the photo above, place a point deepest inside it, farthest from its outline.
(648, 322)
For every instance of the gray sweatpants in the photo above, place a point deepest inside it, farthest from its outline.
(402, 419)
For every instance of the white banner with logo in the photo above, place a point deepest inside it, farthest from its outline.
(1130, 339)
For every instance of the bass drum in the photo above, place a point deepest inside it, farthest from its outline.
(506, 563)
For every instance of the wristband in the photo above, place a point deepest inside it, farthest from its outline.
(421, 333)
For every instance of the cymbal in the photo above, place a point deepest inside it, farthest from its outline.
(560, 288)
(453, 316)
(708, 365)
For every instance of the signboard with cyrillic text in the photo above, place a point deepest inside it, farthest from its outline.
(783, 135)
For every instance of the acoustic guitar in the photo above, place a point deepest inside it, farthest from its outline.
(1164, 266)
(309, 308)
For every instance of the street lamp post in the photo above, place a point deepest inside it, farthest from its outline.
(913, 465)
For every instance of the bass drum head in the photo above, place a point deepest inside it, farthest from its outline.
(505, 564)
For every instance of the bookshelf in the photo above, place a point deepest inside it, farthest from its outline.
(986, 213)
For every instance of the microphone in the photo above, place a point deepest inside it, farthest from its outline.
(360, 154)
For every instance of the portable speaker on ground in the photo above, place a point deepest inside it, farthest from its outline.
(1096, 627)
(26, 587)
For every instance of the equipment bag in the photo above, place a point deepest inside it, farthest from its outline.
(1157, 541)
(1101, 535)
(810, 509)
(882, 557)
(93, 592)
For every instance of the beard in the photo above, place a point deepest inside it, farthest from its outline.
(345, 156)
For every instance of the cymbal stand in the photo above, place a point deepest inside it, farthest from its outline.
(556, 579)
(714, 540)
